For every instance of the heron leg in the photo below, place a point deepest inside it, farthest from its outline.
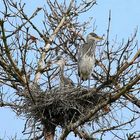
(88, 83)
(80, 82)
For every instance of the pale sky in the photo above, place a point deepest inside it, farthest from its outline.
(125, 17)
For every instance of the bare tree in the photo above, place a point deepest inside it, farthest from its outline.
(26, 69)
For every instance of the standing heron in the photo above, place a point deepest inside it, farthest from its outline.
(64, 81)
(86, 57)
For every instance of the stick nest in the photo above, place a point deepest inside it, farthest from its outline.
(58, 106)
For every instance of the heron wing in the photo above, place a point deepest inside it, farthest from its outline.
(87, 49)
(86, 60)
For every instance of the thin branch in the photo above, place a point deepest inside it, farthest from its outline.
(51, 38)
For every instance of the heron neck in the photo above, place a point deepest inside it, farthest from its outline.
(91, 45)
(91, 41)
(61, 73)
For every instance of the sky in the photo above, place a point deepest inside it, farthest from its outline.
(125, 18)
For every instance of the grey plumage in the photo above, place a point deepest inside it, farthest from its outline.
(64, 81)
(86, 56)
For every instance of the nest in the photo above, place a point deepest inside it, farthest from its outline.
(58, 106)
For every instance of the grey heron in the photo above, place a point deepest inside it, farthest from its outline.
(64, 81)
(86, 57)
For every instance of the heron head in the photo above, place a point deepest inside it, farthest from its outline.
(60, 61)
(94, 37)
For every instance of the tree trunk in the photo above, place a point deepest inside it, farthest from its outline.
(49, 132)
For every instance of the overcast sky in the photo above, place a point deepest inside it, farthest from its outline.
(125, 17)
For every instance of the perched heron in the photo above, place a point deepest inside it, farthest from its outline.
(64, 81)
(86, 57)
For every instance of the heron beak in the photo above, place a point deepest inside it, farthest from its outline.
(99, 38)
